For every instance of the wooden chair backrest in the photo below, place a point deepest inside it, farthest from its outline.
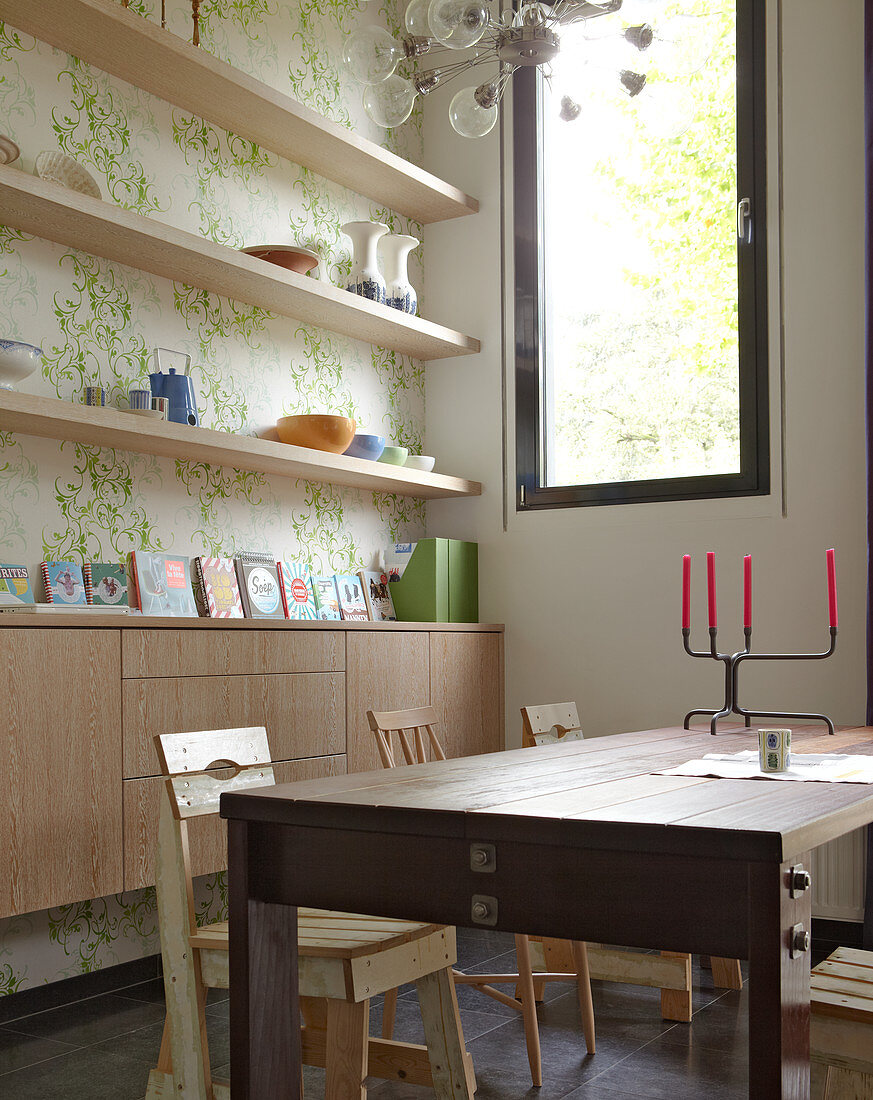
(419, 723)
(539, 722)
(186, 757)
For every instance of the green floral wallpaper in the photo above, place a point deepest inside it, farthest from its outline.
(98, 322)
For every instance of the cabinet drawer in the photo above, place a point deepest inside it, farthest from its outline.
(207, 835)
(304, 714)
(215, 652)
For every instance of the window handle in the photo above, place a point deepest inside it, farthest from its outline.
(744, 221)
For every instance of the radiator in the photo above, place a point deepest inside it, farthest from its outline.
(838, 874)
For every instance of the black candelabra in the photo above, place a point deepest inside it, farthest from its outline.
(732, 661)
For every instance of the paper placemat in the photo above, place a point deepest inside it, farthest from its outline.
(805, 768)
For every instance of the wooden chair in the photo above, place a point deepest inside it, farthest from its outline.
(841, 1026)
(344, 959)
(555, 723)
(417, 740)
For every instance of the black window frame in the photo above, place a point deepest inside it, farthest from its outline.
(530, 336)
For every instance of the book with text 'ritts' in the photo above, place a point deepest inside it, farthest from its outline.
(258, 579)
(15, 589)
(353, 606)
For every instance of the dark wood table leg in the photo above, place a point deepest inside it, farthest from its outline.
(265, 1056)
(778, 984)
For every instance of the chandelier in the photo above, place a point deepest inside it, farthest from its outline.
(447, 38)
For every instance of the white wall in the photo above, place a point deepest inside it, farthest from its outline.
(590, 596)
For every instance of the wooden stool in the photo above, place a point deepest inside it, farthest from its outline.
(344, 958)
(841, 1026)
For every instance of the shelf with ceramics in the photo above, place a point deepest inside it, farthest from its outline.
(125, 44)
(77, 220)
(50, 418)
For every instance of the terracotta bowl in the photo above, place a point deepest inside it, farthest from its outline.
(292, 258)
(320, 431)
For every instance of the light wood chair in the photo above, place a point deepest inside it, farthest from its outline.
(841, 1026)
(555, 723)
(418, 743)
(344, 959)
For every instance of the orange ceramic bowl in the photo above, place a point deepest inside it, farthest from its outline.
(320, 431)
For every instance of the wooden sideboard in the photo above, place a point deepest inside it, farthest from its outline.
(84, 695)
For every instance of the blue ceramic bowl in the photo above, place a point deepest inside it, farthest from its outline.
(366, 446)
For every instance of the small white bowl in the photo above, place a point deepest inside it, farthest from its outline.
(423, 463)
(17, 361)
(9, 151)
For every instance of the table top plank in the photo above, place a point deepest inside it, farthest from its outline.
(598, 792)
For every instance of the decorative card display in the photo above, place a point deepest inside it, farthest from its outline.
(15, 587)
(397, 559)
(163, 583)
(297, 595)
(377, 593)
(64, 583)
(326, 599)
(258, 580)
(353, 606)
(107, 584)
(216, 588)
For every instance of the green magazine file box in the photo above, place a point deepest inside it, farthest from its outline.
(440, 584)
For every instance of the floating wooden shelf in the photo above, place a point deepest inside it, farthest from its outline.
(105, 427)
(57, 214)
(122, 43)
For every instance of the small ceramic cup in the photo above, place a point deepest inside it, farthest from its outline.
(95, 395)
(774, 750)
(162, 406)
(140, 399)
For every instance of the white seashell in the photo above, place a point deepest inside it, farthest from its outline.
(59, 168)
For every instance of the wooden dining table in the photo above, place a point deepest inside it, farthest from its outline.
(576, 841)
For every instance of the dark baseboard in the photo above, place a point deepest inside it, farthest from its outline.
(78, 988)
(828, 935)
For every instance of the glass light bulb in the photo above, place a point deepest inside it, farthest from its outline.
(371, 55)
(531, 14)
(389, 103)
(468, 118)
(458, 23)
(416, 18)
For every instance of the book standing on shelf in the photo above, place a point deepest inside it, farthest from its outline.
(107, 584)
(297, 595)
(216, 588)
(258, 580)
(162, 583)
(15, 590)
(377, 593)
(63, 583)
(353, 606)
(326, 598)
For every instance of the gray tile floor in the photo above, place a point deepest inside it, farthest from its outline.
(103, 1048)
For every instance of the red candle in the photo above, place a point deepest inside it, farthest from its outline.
(832, 588)
(710, 584)
(686, 591)
(747, 590)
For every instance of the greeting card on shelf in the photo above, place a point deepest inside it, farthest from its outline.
(258, 580)
(353, 606)
(162, 583)
(377, 593)
(326, 598)
(106, 583)
(64, 583)
(15, 590)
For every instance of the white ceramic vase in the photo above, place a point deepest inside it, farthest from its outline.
(394, 250)
(365, 278)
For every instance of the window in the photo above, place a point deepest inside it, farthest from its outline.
(640, 310)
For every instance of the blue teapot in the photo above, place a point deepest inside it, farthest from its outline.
(177, 388)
